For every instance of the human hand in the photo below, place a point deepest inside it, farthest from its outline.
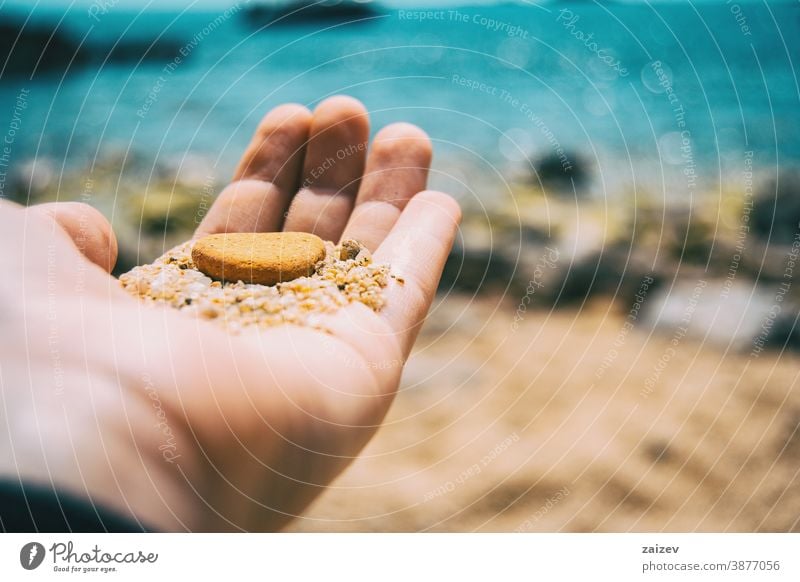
(175, 422)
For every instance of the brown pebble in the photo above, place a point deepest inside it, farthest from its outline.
(349, 249)
(265, 258)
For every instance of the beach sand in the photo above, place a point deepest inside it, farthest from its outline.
(528, 430)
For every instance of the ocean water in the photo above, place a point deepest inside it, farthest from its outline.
(680, 89)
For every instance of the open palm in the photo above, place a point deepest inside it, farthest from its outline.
(174, 422)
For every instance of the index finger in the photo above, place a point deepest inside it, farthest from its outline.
(416, 250)
(267, 176)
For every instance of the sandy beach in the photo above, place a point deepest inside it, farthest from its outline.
(496, 430)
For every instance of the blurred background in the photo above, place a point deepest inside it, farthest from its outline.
(614, 344)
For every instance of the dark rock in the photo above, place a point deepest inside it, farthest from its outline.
(693, 241)
(561, 171)
(477, 270)
(300, 11)
(776, 212)
(785, 332)
(37, 48)
(134, 51)
(615, 271)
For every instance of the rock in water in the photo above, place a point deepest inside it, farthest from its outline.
(776, 212)
(263, 258)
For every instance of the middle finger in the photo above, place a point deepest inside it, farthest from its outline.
(333, 166)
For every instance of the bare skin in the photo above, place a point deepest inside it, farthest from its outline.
(172, 421)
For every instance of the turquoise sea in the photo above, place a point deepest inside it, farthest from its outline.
(686, 88)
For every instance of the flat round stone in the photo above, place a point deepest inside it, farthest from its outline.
(266, 258)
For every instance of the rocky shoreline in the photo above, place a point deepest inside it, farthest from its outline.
(543, 249)
(34, 49)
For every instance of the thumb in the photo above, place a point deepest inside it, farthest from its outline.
(87, 227)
